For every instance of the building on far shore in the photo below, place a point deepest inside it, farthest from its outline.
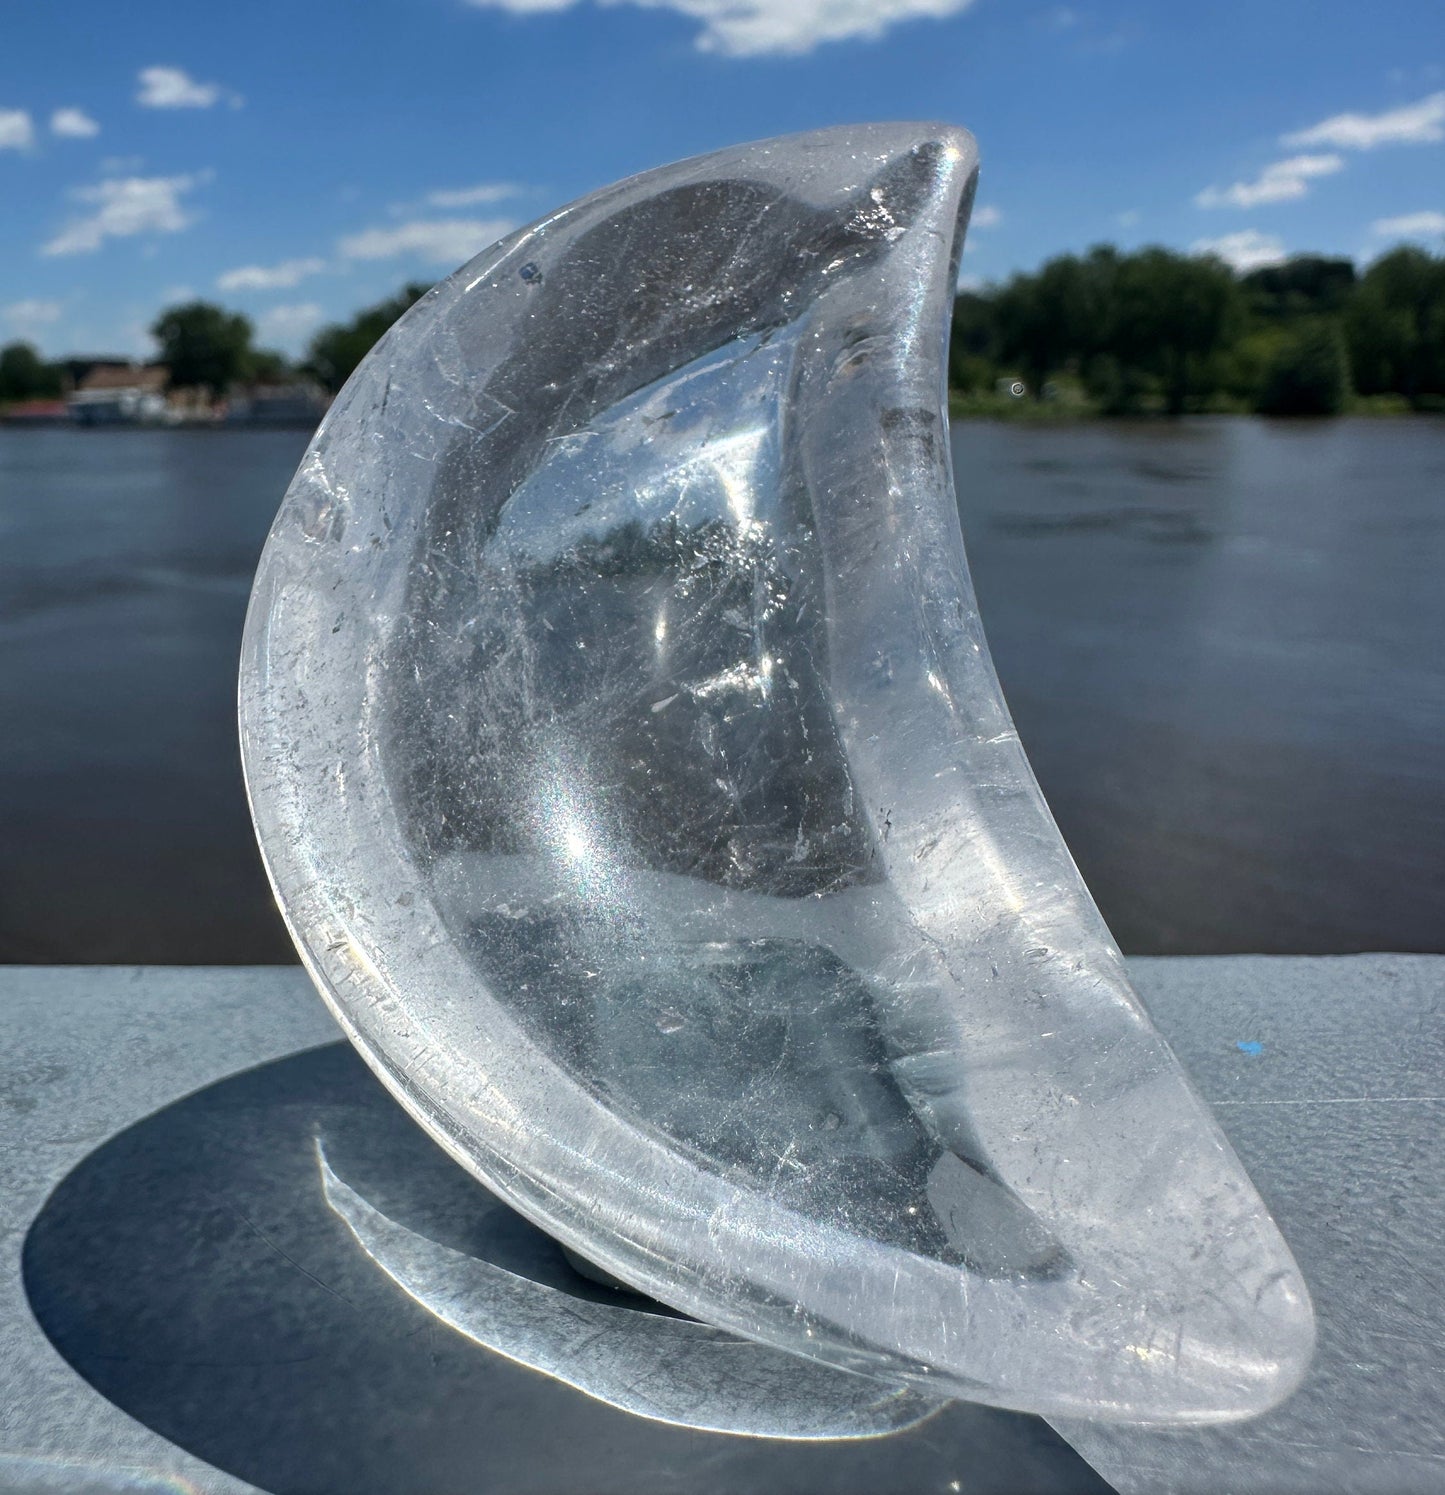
(118, 392)
(110, 392)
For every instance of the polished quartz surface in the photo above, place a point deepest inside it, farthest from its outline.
(629, 764)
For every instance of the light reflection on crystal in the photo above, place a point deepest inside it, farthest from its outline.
(743, 954)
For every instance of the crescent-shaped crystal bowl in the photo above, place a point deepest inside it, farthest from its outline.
(629, 765)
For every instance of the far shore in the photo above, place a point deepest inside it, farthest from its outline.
(1023, 411)
(1028, 411)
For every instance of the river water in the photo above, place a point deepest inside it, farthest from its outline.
(1221, 639)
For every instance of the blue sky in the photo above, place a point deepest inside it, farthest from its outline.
(297, 161)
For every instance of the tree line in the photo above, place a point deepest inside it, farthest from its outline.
(1156, 330)
(204, 346)
(1104, 332)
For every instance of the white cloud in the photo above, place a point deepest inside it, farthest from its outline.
(29, 314)
(471, 197)
(269, 277)
(74, 124)
(1128, 218)
(749, 28)
(1246, 250)
(174, 88)
(124, 207)
(987, 216)
(17, 133)
(438, 241)
(1411, 124)
(1426, 225)
(288, 324)
(1282, 181)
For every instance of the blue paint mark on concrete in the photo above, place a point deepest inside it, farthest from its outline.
(1248, 1046)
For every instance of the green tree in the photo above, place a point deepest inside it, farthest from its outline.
(1152, 323)
(1308, 374)
(1173, 313)
(1159, 329)
(1305, 285)
(205, 345)
(336, 350)
(24, 375)
(267, 366)
(973, 346)
(1395, 326)
(1060, 317)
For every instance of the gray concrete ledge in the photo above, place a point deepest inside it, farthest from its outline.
(1327, 1073)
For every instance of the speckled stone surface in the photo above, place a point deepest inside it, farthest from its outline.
(1329, 1077)
(182, 1308)
(1325, 1073)
(88, 1051)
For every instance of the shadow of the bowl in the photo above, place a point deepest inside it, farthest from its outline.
(192, 1271)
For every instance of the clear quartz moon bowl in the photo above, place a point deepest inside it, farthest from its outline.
(632, 774)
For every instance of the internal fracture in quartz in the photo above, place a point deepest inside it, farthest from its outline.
(629, 763)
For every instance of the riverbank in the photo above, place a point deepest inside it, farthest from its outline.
(1071, 405)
